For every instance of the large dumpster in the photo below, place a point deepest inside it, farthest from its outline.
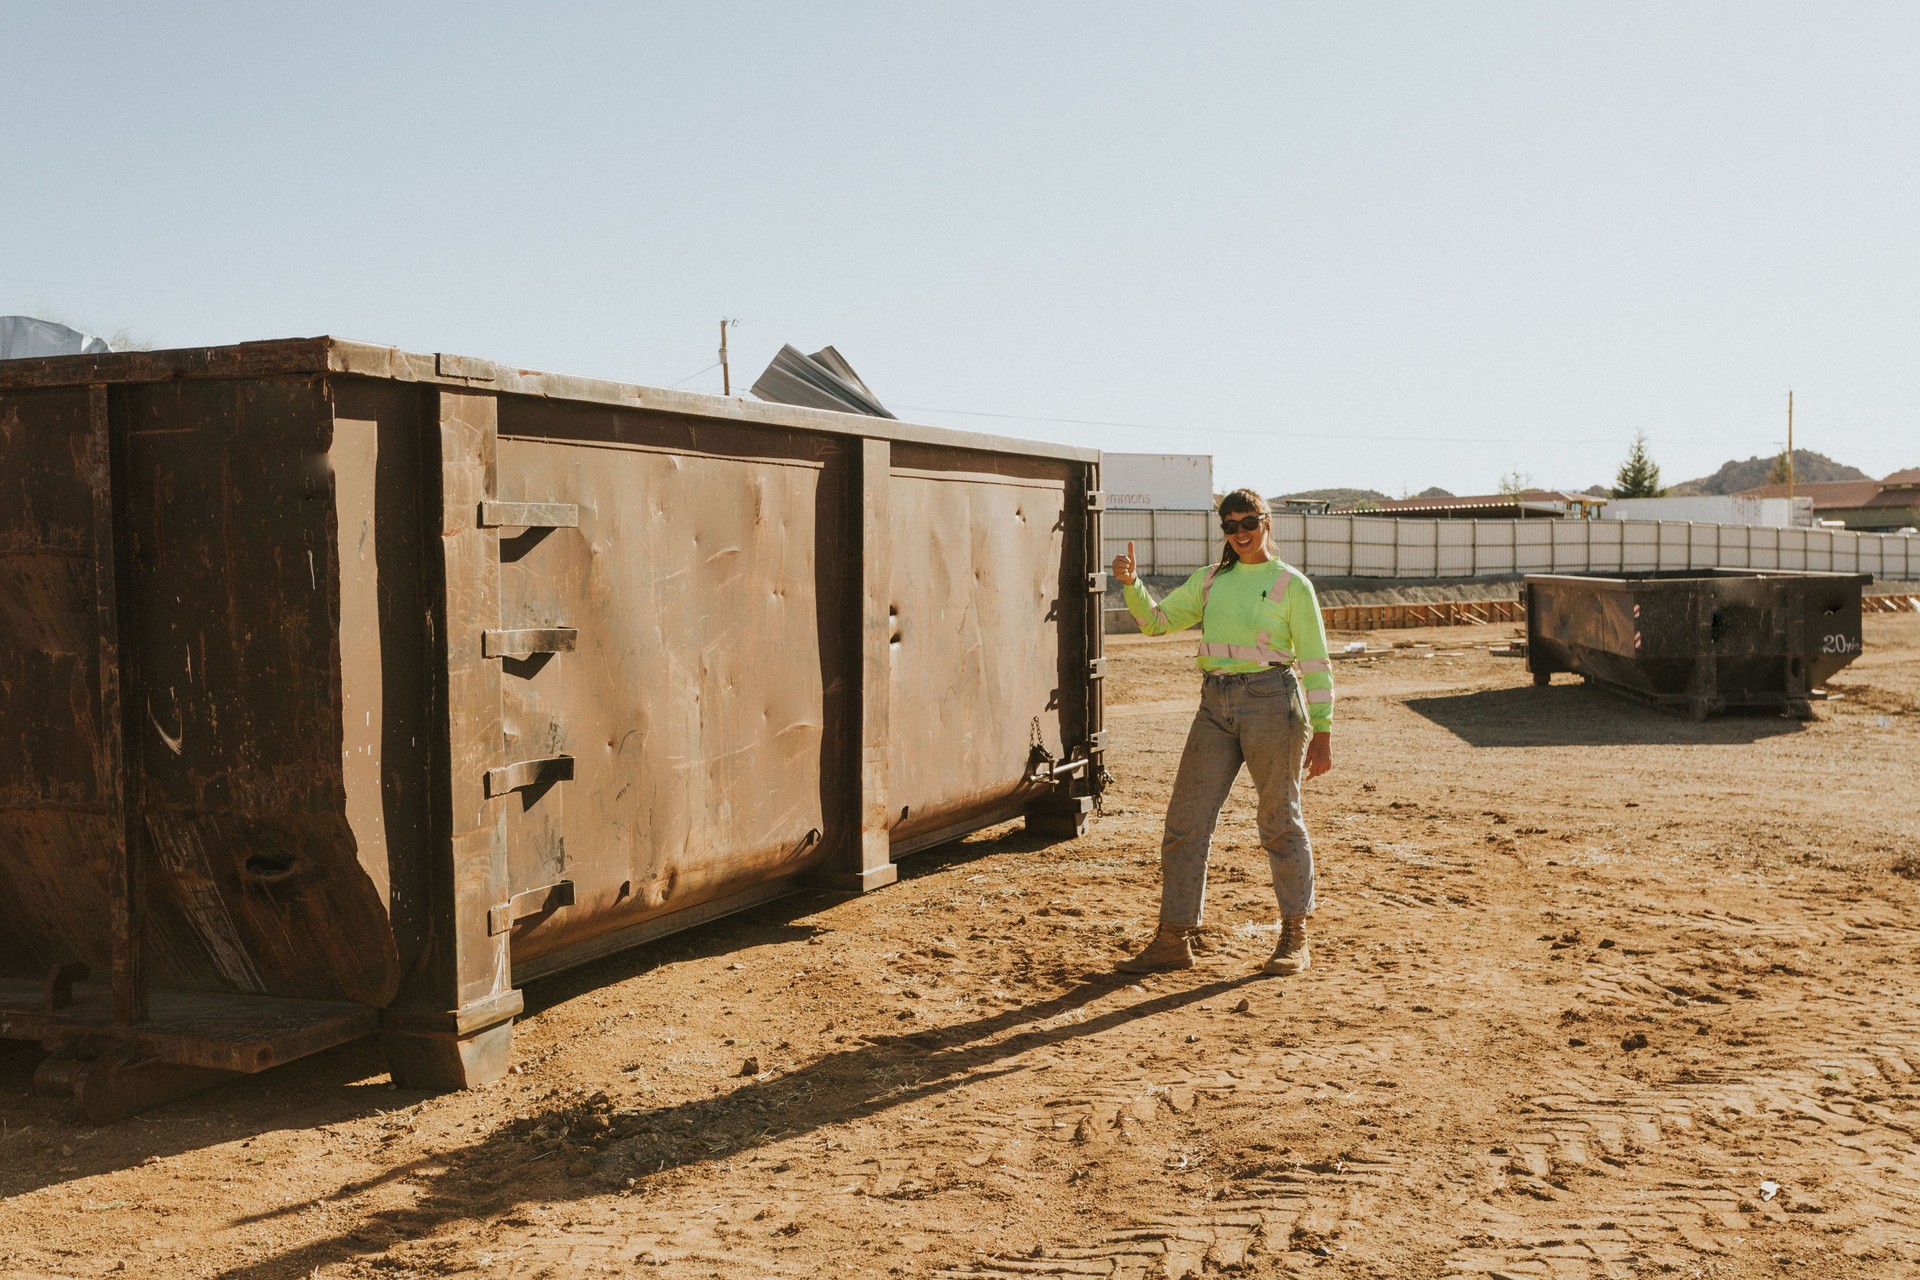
(343, 689)
(1698, 640)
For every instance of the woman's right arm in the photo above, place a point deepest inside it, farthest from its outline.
(1180, 610)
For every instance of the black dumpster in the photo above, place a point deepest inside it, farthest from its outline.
(1699, 639)
(345, 689)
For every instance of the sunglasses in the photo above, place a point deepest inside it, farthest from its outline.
(1245, 524)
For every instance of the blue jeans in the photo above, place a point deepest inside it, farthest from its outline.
(1258, 720)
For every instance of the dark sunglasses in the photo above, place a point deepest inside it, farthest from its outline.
(1245, 524)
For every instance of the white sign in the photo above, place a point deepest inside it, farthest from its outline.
(1158, 481)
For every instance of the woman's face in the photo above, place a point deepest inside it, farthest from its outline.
(1245, 541)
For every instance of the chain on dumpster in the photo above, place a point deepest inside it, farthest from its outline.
(1039, 759)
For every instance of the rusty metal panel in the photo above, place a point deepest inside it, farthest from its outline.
(694, 702)
(233, 635)
(57, 782)
(379, 470)
(975, 661)
(233, 777)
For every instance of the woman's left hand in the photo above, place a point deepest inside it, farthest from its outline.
(1319, 754)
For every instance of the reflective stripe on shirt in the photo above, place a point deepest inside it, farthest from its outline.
(1246, 653)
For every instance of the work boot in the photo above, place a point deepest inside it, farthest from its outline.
(1168, 951)
(1291, 956)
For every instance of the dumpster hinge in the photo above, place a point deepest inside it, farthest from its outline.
(527, 642)
(529, 515)
(531, 902)
(529, 773)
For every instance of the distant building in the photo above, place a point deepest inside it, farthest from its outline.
(1158, 481)
(1868, 506)
(1712, 508)
(1529, 504)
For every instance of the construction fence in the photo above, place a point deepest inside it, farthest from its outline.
(1345, 546)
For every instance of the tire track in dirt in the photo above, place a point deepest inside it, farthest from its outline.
(1087, 1114)
(1264, 1216)
(1840, 1095)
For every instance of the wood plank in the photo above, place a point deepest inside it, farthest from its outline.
(1445, 613)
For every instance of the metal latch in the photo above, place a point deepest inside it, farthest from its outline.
(529, 515)
(532, 902)
(529, 773)
(1097, 669)
(527, 642)
(1096, 500)
(1097, 583)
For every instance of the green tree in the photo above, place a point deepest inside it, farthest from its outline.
(1639, 476)
(1516, 482)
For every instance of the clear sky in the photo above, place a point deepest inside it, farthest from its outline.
(1379, 245)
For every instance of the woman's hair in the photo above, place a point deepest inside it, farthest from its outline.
(1244, 501)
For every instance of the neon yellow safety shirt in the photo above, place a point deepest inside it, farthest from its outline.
(1252, 616)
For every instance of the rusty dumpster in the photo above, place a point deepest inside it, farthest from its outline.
(1697, 640)
(343, 690)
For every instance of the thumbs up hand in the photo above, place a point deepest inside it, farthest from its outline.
(1123, 567)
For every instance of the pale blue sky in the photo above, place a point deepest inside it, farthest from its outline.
(1388, 245)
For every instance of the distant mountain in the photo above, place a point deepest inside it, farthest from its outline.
(1735, 477)
(1435, 492)
(1336, 495)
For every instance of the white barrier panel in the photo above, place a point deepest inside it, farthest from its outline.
(1178, 542)
(1456, 548)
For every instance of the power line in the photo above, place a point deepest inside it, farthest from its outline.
(690, 377)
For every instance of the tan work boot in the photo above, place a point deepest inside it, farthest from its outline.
(1291, 956)
(1168, 951)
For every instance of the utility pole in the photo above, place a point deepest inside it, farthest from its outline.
(1789, 453)
(726, 374)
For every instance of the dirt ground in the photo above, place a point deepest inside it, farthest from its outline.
(1596, 992)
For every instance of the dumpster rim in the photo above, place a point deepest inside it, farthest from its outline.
(327, 355)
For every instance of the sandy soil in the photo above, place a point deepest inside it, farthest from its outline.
(1596, 992)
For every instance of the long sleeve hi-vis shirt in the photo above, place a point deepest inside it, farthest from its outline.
(1251, 616)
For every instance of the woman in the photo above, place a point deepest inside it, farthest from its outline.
(1262, 644)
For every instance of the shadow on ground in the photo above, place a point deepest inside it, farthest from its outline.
(1577, 715)
(510, 1167)
(42, 1145)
